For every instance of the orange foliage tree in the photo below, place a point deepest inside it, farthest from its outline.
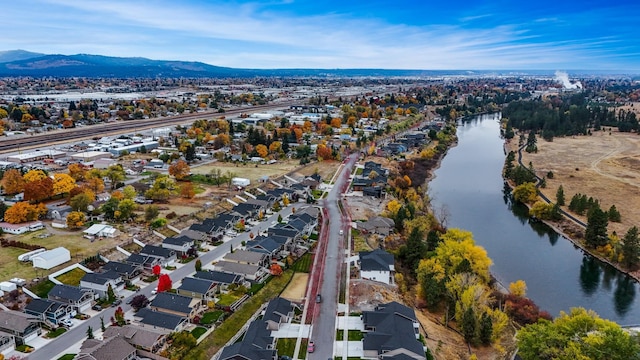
(180, 170)
(77, 171)
(75, 219)
(323, 152)
(262, 150)
(38, 190)
(276, 270)
(23, 211)
(187, 191)
(13, 182)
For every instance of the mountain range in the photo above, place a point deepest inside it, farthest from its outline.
(15, 63)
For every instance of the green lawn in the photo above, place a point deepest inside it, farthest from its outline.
(303, 264)
(55, 333)
(197, 332)
(72, 277)
(215, 341)
(42, 288)
(227, 299)
(67, 357)
(211, 317)
(286, 346)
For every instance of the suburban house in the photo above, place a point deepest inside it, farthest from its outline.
(22, 327)
(100, 230)
(79, 298)
(377, 225)
(49, 311)
(248, 258)
(7, 342)
(377, 265)
(176, 304)
(310, 220)
(247, 211)
(212, 229)
(252, 273)
(279, 311)
(201, 289)
(180, 244)
(144, 338)
(143, 262)
(222, 279)
(100, 282)
(166, 256)
(22, 228)
(391, 330)
(111, 348)
(129, 272)
(257, 343)
(160, 320)
(265, 245)
(289, 233)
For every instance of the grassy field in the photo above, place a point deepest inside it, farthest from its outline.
(286, 346)
(79, 247)
(71, 277)
(303, 264)
(215, 341)
(252, 172)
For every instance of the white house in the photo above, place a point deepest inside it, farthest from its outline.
(377, 265)
(18, 229)
(100, 230)
(51, 258)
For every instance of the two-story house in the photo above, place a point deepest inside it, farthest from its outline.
(257, 343)
(79, 298)
(391, 330)
(176, 304)
(49, 311)
(100, 283)
(129, 272)
(181, 244)
(166, 256)
(201, 289)
(221, 279)
(279, 311)
(148, 318)
(377, 265)
(22, 327)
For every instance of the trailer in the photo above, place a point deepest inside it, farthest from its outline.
(242, 182)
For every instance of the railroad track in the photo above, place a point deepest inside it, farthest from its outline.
(61, 136)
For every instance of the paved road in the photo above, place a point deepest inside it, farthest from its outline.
(79, 332)
(324, 321)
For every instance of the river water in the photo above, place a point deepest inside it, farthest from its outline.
(468, 188)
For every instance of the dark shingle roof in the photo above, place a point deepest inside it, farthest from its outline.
(159, 319)
(376, 260)
(39, 306)
(120, 268)
(200, 286)
(393, 323)
(100, 278)
(179, 241)
(157, 251)
(68, 292)
(218, 277)
(140, 259)
(173, 302)
(276, 308)
(239, 351)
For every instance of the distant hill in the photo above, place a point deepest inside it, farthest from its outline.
(16, 55)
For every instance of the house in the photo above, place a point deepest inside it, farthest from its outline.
(78, 298)
(129, 272)
(160, 320)
(176, 304)
(58, 212)
(257, 344)
(279, 311)
(283, 231)
(377, 265)
(265, 245)
(248, 258)
(391, 330)
(201, 289)
(22, 228)
(100, 230)
(247, 211)
(51, 258)
(375, 191)
(7, 342)
(166, 256)
(250, 272)
(223, 280)
(145, 262)
(145, 338)
(377, 225)
(100, 283)
(22, 327)
(181, 244)
(49, 311)
(111, 348)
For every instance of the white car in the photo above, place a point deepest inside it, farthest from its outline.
(341, 232)
(67, 322)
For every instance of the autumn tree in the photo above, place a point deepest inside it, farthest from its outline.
(180, 170)
(198, 265)
(34, 175)
(77, 171)
(62, 184)
(129, 192)
(275, 147)
(13, 182)
(82, 201)
(126, 209)
(163, 188)
(115, 174)
(151, 212)
(518, 288)
(187, 191)
(156, 269)
(276, 270)
(38, 190)
(262, 150)
(323, 152)
(22, 211)
(164, 283)
(75, 220)
(96, 184)
(526, 193)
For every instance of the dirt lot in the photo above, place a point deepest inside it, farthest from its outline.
(605, 166)
(252, 172)
(296, 289)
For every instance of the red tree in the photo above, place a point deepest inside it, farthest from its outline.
(164, 283)
(276, 270)
(156, 270)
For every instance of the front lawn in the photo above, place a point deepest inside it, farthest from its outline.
(72, 277)
(211, 317)
(197, 332)
(227, 299)
(286, 346)
(55, 333)
(67, 357)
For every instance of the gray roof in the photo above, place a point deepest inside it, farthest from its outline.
(239, 350)
(114, 348)
(219, 277)
(39, 306)
(159, 319)
(258, 335)
(100, 278)
(200, 286)
(236, 268)
(376, 260)
(393, 323)
(276, 308)
(140, 259)
(173, 302)
(158, 251)
(263, 245)
(179, 241)
(16, 320)
(136, 335)
(68, 292)
(245, 256)
(120, 268)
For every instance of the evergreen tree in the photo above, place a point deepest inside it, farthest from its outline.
(486, 329)
(560, 196)
(469, 325)
(198, 265)
(90, 333)
(111, 296)
(596, 232)
(631, 248)
(102, 327)
(413, 251)
(614, 214)
(433, 239)
(531, 143)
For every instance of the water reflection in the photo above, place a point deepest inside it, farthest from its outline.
(624, 295)
(590, 274)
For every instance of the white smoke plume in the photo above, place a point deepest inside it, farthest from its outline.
(563, 78)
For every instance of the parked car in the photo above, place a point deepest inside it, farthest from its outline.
(96, 307)
(311, 347)
(318, 298)
(67, 322)
(117, 302)
(341, 232)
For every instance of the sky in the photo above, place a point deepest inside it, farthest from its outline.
(274, 34)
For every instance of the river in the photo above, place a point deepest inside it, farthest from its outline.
(468, 188)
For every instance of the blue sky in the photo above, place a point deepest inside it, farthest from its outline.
(400, 34)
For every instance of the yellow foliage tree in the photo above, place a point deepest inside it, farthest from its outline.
(77, 171)
(34, 175)
(62, 184)
(75, 220)
(392, 207)
(13, 182)
(518, 288)
(275, 147)
(262, 150)
(526, 193)
(187, 191)
(23, 211)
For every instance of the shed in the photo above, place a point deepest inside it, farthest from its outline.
(7, 286)
(101, 230)
(51, 258)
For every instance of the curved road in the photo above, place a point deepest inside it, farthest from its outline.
(324, 321)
